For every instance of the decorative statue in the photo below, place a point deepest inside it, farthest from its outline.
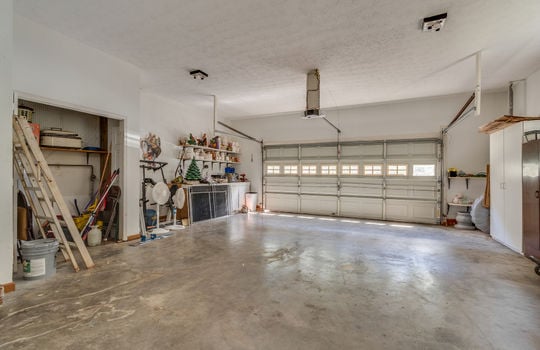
(203, 141)
(193, 172)
(150, 146)
(191, 140)
(214, 142)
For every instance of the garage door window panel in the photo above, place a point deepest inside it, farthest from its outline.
(424, 170)
(396, 170)
(273, 169)
(349, 169)
(373, 169)
(309, 170)
(328, 170)
(290, 169)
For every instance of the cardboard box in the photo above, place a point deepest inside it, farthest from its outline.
(35, 130)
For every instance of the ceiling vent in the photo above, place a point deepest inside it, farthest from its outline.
(313, 96)
(434, 23)
(198, 74)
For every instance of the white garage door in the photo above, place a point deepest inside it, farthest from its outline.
(386, 180)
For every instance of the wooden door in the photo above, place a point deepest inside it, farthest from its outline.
(531, 201)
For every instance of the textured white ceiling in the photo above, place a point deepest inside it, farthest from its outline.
(257, 52)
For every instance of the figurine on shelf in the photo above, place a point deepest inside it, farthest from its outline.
(193, 174)
(191, 140)
(458, 198)
(214, 142)
(199, 155)
(223, 144)
(203, 141)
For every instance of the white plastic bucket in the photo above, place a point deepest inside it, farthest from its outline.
(251, 201)
(39, 258)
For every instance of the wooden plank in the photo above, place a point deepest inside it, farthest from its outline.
(104, 164)
(60, 149)
(133, 237)
(503, 122)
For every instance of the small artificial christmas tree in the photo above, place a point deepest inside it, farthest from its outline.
(193, 172)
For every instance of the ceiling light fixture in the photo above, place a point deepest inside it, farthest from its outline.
(198, 74)
(434, 23)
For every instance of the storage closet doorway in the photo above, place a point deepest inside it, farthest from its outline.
(77, 170)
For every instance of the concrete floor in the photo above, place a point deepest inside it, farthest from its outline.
(271, 282)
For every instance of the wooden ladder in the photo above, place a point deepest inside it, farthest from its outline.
(42, 193)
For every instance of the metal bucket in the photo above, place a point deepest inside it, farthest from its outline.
(39, 258)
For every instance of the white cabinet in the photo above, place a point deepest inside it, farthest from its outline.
(237, 194)
(506, 186)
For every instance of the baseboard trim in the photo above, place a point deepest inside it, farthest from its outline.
(9, 287)
(134, 237)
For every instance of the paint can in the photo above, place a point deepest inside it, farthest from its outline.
(39, 258)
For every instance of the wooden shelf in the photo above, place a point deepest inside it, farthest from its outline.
(209, 149)
(459, 204)
(213, 161)
(503, 122)
(467, 178)
(79, 150)
(88, 152)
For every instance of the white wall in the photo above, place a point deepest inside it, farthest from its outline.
(468, 150)
(54, 69)
(465, 148)
(414, 118)
(176, 120)
(6, 111)
(533, 94)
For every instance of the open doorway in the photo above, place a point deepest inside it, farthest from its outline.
(82, 149)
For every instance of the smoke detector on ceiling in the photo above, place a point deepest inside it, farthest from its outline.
(434, 23)
(198, 74)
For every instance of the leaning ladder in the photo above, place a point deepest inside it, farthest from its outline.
(42, 193)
